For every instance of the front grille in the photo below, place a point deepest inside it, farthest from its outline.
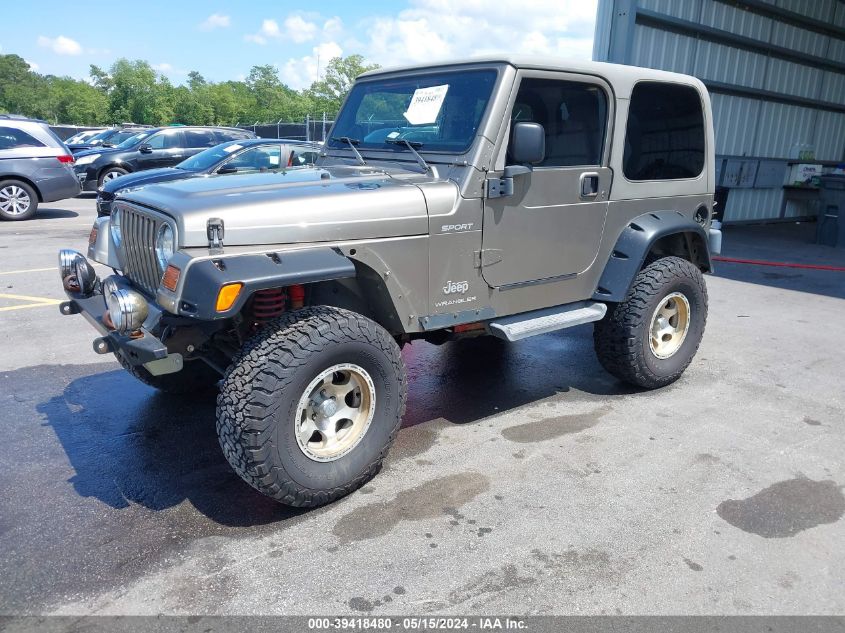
(139, 231)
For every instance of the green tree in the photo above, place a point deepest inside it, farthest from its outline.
(328, 93)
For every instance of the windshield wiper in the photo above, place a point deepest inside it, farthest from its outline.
(352, 142)
(411, 145)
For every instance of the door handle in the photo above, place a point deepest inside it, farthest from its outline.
(588, 184)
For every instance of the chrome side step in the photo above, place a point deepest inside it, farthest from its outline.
(520, 326)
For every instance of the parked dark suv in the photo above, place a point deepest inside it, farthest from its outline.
(149, 149)
(35, 166)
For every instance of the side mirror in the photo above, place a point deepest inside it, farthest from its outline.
(145, 148)
(528, 143)
(227, 169)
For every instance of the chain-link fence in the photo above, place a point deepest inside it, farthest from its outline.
(311, 129)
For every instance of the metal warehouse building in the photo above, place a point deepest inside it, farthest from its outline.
(776, 74)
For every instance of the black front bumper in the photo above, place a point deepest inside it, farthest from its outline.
(137, 350)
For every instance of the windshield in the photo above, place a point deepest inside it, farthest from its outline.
(210, 157)
(442, 111)
(126, 139)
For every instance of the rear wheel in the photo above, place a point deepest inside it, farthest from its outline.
(18, 201)
(650, 338)
(308, 409)
(110, 174)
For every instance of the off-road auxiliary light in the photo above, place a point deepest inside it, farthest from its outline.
(127, 309)
(78, 275)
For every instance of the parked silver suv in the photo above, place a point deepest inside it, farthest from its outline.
(505, 196)
(35, 166)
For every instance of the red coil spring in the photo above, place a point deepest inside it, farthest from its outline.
(268, 304)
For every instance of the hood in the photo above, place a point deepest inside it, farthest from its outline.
(99, 149)
(319, 204)
(138, 178)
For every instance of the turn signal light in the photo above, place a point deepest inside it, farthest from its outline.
(92, 236)
(228, 295)
(171, 278)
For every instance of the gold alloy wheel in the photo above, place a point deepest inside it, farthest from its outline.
(669, 325)
(334, 412)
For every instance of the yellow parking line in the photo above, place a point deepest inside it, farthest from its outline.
(45, 300)
(42, 304)
(29, 270)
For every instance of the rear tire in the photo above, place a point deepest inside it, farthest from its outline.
(649, 339)
(278, 419)
(195, 378)
(18, 201)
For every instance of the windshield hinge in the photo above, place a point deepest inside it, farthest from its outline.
(487, 257)
(214, 230)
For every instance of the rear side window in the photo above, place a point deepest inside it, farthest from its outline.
(11, 138)
(200, 138)
(665, 135)
(231, 135)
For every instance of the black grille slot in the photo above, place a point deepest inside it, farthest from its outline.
(139, 231)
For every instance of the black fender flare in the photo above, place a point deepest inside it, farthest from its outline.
(256, 271)
(637, 239)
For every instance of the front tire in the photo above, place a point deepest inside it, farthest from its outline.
(18, 201)
(310, 406)
(650, 338)
(111, 174)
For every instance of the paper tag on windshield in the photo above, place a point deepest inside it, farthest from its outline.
(425, 104)
(232, 148)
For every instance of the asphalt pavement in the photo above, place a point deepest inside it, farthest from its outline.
(525, 480)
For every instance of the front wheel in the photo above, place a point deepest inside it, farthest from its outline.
(110, 174)
(649, 339)
(308, 409)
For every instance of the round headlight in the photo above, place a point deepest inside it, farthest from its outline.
(114, 225)
(164, 246)
(128, 310)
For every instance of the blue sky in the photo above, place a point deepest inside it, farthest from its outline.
(222, 40)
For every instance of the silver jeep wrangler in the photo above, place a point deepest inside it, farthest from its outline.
(505, 196)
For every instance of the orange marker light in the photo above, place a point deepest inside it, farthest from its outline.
(171, 277)
(92, 236)
(228, 295)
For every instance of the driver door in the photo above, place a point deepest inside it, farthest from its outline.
(550, 229)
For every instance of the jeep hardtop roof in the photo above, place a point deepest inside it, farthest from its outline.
(620, 76)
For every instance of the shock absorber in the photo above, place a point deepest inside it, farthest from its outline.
(267, 305)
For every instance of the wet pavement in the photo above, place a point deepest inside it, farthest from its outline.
(525, 479)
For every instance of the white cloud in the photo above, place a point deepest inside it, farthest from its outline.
(60, 45)
(295, 28)
(302, 72)
(269, 29)
(438, 29)
(214, 21)
(32, 66)
(430, 30)
(299, 29)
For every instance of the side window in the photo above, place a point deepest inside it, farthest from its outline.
(164, 140)
(664, 139)
(200, 138)
(298, 156)
(230, 135)
(11, 138)
(262, 158)
(573, 115)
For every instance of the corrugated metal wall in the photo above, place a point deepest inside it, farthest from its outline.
(746, 126)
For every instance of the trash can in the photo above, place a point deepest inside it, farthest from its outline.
(831, 224)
